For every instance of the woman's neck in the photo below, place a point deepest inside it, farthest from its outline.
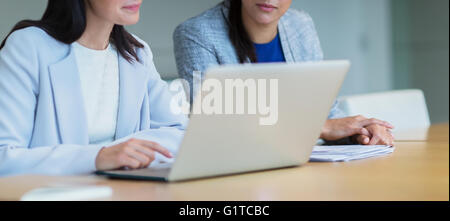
(97, 33)
(259, 33)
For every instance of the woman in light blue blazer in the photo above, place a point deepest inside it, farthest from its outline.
(78, 93)
(254, 31)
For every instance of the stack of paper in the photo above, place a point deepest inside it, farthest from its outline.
(347, 153)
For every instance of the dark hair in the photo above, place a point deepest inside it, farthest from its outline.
(65, 20)
(238, 34)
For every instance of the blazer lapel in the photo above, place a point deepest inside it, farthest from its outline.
(132, 88)
(69, 104)
(286, 38)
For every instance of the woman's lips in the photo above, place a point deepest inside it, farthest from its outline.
(133, 8)
(266, 7)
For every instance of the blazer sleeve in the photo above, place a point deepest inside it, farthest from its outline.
(192, 55)
(335, 111)
(19, 80)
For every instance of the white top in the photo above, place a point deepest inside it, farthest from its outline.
(99, 75)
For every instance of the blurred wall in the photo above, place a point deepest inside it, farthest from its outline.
(421, 51)
(11, 11)
(359, 31)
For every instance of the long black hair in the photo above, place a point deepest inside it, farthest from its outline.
(238, 34)
(65, 20)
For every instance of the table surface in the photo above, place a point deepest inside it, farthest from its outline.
(415, 171)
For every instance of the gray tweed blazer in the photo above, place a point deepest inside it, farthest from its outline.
(202, 42)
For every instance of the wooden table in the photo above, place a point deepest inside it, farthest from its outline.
(415, 171)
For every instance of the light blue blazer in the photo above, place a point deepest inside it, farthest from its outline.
(43, 124)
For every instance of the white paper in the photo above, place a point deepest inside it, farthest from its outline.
(348, 152)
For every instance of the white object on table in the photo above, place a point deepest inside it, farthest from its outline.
(68, 193)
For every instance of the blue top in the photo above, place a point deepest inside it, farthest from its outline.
(270, 52)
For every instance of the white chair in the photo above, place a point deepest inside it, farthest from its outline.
(405, 109)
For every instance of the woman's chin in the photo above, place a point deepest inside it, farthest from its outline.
(265, 20)
(129, 20)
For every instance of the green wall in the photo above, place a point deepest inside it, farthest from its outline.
(421, 51)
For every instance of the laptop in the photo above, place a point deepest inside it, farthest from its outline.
(276, 128)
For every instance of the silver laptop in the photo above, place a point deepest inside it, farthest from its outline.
(224, 140)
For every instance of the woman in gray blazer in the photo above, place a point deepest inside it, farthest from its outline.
(251, 31)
